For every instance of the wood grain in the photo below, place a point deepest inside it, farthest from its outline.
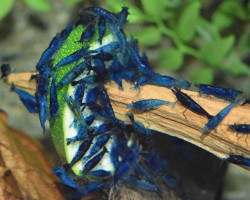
(171, 120)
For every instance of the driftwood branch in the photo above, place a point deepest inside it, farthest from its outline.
(171, 120)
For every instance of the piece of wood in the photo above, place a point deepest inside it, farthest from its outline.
(171, 120)
(22, 81)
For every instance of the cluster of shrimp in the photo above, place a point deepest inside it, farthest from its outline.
(107, 151)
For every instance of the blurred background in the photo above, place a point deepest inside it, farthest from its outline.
(203, 41)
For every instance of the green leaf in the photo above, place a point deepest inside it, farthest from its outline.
(248, 9)
(171, 59)
(213, 52)
(205, 33)
(235, 65)
(39, 5)
(6, 6)
(154, 8)
(135, 14)
(187, 21)
(233, 8)
(116, 5)
(221, 20)
(243, 45)
(72, 2)
(173, 3)
(202, 75)
(148, 36)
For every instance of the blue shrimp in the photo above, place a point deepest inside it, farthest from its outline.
(101, 28)
(84, 19)
(6, 70)
(100, 173)
(117, 149)
(122, 17)
(156, 163)
(240, 128)
(161, 80)
(75, 108)
(53, 101)
(65, 177)
(99, 143)
(143, 80)
(106, 104)
(69, 180)
(212, 123)
(121, 37)
(144, 185)
(110, 17)
(227, 94)
(83, 148)
(65, 32)
(102, 129)
(89, 119)
(43, 80)
(115, 76)
(189, 103)
(103, 56)
(79, 93)
(170, 181)
(247, 101)
(115, 72)
(82, 134)
(28, 100)
(77, 55)
(141, 170)
(134, 54)
(72, 74)
(169, 82)
(109, 48)
(148, 104)
(139, 127)
(91, 96)
(147, 184)
(54, 46)
(98, 67)
(117, 24)
(94, 161)
(239, 160)
(182, 84)
(124, 167)
(88, 33)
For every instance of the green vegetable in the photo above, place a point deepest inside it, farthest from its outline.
(60, 128)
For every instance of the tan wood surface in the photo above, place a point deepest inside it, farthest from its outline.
(171, 120)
